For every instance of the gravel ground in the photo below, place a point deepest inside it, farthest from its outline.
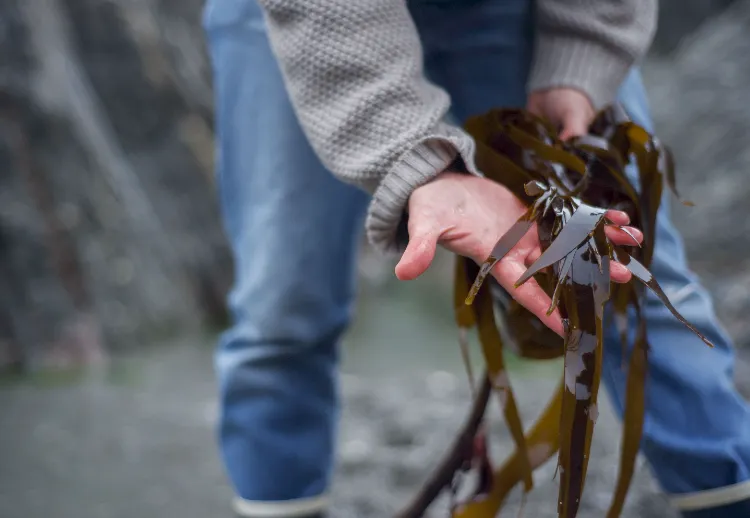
(139, 443)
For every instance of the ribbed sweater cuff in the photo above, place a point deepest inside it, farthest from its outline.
(429, 157)
(564, 61)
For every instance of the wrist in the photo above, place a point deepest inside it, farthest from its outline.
(449, 146)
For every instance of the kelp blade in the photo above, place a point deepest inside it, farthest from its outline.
(501, 249)
(633, 418)
(585, 219)
(583, 301)
(492, 348)
(543, 440)
(572, 185)
(641, 273)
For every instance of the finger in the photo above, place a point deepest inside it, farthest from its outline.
(575, 124)
(631, 236)
(535, 254)
(419, 253)
(534, 108)
(617, 217)
(530, 295)
(533, 105)
(619, 273)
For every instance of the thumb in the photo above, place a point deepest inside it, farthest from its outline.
(575, 123)
(419, 253)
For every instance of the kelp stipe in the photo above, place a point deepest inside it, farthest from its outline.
(568, 187)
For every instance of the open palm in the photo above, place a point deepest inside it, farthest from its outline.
(467, 215)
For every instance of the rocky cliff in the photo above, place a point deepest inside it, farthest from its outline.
(109, 227)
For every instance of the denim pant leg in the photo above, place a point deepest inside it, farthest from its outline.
(294, 231)
(697, 430)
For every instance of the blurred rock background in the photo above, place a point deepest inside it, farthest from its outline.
(112, 255)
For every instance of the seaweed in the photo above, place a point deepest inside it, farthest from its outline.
(568, 187)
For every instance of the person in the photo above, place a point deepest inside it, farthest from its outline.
(334, 112)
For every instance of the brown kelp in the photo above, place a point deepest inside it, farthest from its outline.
(568, 188)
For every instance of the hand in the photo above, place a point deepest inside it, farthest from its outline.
(467, 215)
(568, 108)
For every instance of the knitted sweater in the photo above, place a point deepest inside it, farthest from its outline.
(354, 72)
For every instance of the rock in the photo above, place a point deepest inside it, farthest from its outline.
(679, 18)
(109, 214)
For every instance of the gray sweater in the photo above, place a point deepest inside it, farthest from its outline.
(353, 70)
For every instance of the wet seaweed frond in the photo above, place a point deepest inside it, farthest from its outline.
(568, 188)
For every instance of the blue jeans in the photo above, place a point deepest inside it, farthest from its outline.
(295, 231)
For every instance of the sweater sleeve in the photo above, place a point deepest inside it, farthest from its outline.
(590, 44)
(354, 73)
